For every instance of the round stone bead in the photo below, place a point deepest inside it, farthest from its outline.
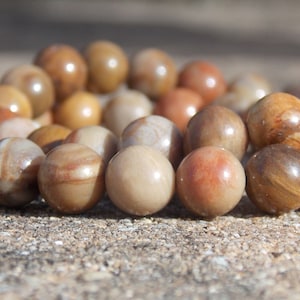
(80, 109)
(98, 138)
(217, 126)
(273, 179)
(19, 164)
(6, 114)
(15, 100)
(107, 66)
(17, 127)
(156, 132)
(210, 181)
(71, 178)
(35, 83)
(274, 119)
(124, 108)
(140, 180)
(50, 136)
(152, 72)
(45, 118)
(244, 91)
(179, 105)
(65, 66)
(204, 78)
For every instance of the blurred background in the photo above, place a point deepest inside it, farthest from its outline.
(261, 36)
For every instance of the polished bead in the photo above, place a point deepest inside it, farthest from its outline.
(179, 105)
(140, 180)
(217, 126)
(80, 109)
(273, 179)
(107, 66)
(98, 138)
(45, 118)
(124, 108)
(6, 113)
(156, 132)
(153, 72)
(274, 119)
(210, 181)
(244, 91)
(71, 178)
(15, 100)
(17, 127)
(50, 136)
(19, 164)
(35, 83)
(204, 78)
(65, 66)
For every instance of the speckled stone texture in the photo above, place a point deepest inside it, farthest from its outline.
(105, 254)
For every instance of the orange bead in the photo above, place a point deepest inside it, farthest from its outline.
(107, 66)
(179, 105)
(16, 101)
(81, 109)
(65, 66)
(204, 78)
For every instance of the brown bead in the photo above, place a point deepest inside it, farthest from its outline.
(273, 119)
(17, 127)
(204, 78)
(107, 66)
(217, 126)
(35, 83)
(80, 109)
(140, 180)
(49, 137)
(15, 100)
(65, 66)
(19, 164)
(152, 72)
(124, 108)
(210, 181)
(156, 132)
(179, 105)
(273, 179)
(71, 178)
(98, 138)
(243, 92)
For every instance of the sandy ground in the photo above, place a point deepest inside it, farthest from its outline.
(105, 254)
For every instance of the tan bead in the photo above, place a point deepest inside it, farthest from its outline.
(124, 108)
(65, 66)
(6, 113)
(45, 119)
(140, 180)
(71, 178)
(19, 164)
(49, 137)
(152, 72)
(35, 83)
(17, 127)
(80, 109)
(98, 138)
(15, 100)
(107, 66)
(156, 132)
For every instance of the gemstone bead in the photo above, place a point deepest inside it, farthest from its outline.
(140, 180)
(210, 181)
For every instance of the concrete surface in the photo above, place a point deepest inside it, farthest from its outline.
(105, 254)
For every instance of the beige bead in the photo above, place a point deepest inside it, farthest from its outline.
(19, 164)
(124, 108)
(98, 138)
(140, 180)
(71, 178)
